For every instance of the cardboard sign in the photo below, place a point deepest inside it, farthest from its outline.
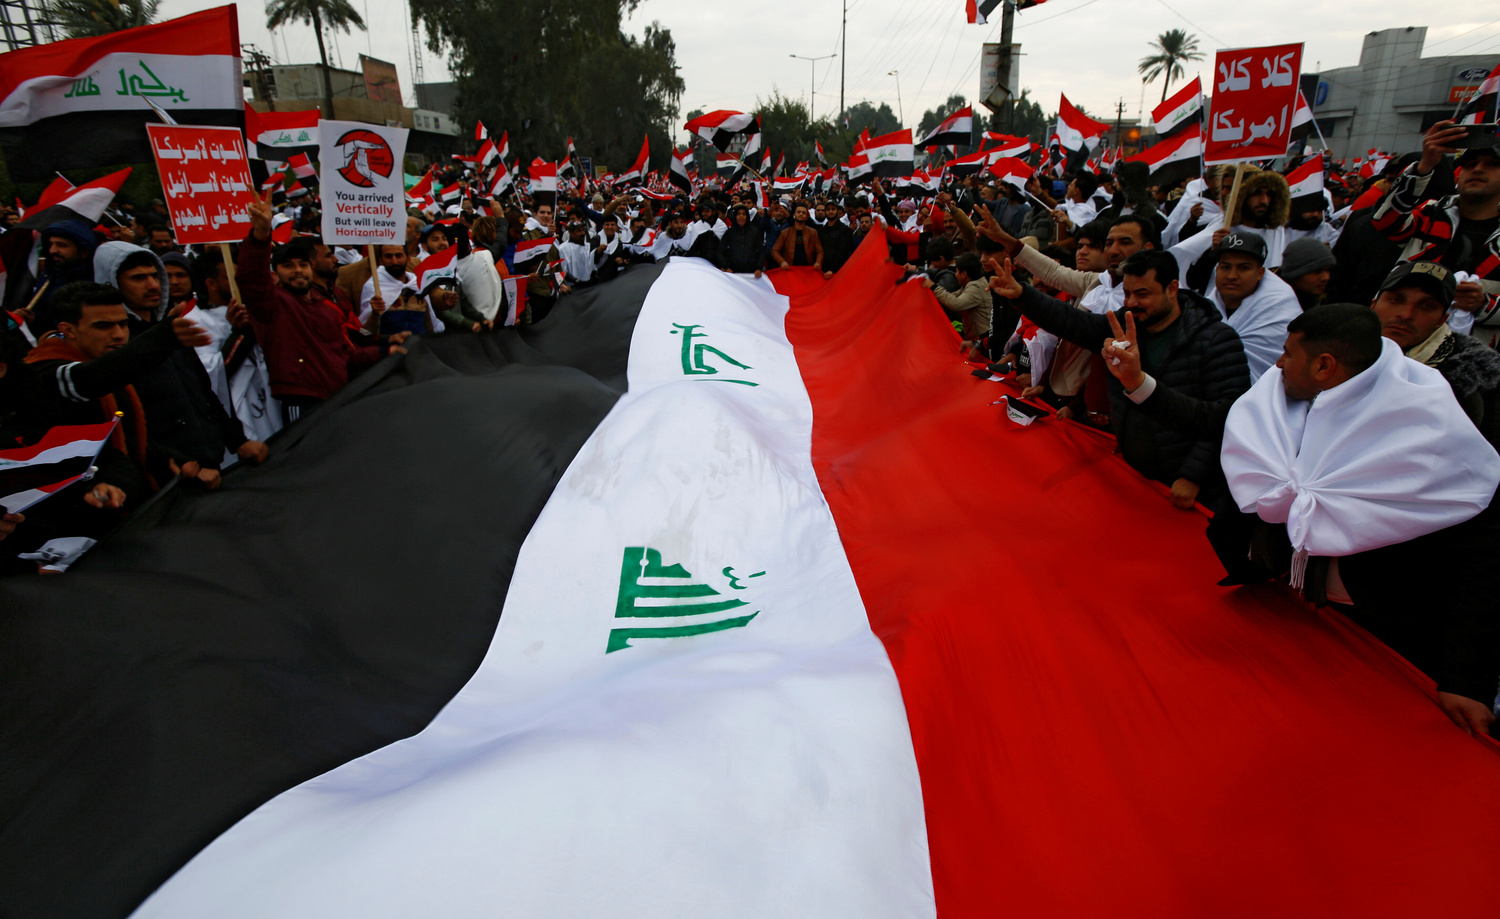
(205, 179)
(360, 177)
(1255, 96)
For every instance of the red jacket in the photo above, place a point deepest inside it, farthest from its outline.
(307, 349)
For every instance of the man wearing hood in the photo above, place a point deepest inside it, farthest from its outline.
(65, 254)
(1307, 266)
(186, 425)
(1263, 208)
(742, 248)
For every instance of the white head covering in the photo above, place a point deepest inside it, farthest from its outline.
(1380, 459)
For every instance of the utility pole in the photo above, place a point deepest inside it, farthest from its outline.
(901, 110)
(1119, 115)
(843, 53)
(1007, 25)
(812, 86)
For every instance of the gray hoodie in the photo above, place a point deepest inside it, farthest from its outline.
(107, 261)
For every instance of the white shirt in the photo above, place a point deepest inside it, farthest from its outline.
(1260, 321)
(390, 292)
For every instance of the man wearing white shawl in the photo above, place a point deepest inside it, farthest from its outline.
(1380, 479)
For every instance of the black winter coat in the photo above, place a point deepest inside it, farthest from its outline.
(184, 419)
(838, 244)
(742, 249)
(1206, 364)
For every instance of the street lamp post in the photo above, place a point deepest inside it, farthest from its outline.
(812, 85)
(899, 110)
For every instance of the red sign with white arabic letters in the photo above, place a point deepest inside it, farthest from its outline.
(1255, 96)
(206, 180)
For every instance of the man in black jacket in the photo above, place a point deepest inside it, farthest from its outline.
(1184, 347)
(742, 248)
(837, 239)
(188, 430)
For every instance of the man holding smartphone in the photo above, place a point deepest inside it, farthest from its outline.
(1461, 232)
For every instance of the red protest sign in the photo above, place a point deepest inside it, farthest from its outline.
(206, 180)
(1255, 96)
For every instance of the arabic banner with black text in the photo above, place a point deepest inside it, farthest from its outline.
(1255, 97)
(81, 103)
(362, 186)
(205, 180)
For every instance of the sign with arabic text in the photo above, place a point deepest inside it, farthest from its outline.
(1255, 96)
(205, 179)
(360, 176)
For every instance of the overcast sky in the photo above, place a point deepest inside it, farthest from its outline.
(730, 53)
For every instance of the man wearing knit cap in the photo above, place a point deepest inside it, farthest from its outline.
(66, 255)
(1306, 265)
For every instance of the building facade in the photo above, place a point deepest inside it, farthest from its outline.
(1393, 94)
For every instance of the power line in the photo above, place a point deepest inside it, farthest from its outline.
(1192, 23)
(1460, 35)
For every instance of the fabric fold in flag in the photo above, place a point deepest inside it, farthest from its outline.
(1306, 179)
(64, 455)
(891, 155)
(278, 136)
(1075, 130)
(86, 202)
(1186, 146)
(1182, 112)
(721, 127)
(80, 103)
(957, 128)
(1484, 107)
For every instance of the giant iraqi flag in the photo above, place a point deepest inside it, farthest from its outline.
(701, 598)
(84, 102)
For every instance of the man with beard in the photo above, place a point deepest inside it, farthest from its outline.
(1184, 350)
(675, 239)
(188, 430)
(836, 237)
(1263, 208)
(393, 278)
(307, 350)
(798, 243)
(577, 257)
(66, 254)
(1307, 266)
(1307, 219)
(1461, 232)
(160, 240)
(610, 257)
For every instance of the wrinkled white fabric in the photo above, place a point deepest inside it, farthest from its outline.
(1381, 459)
(1261, 320)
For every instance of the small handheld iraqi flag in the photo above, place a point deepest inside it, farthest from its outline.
(1019, 412)
(304, 169)
(719, 128)
(63, 456)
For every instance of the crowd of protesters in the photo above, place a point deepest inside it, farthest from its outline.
(1128, 306)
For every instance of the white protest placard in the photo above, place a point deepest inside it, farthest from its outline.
(364, 198)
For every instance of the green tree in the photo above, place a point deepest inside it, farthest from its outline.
(1171, 49)
(786, 127)
(336, 14)
(548, 71)
(838, 141)
(85, 18)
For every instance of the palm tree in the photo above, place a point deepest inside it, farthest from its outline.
(87, 18)
(338, 14)
(1172, 48)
